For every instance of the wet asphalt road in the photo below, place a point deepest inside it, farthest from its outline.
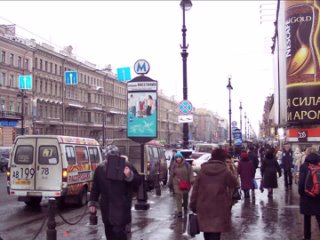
(258, 218)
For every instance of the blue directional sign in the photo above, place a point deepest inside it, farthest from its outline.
(124, 74)
(25, 82)
(71, 77)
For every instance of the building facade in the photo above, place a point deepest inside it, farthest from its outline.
(96, 107)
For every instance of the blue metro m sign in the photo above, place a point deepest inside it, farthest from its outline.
(141, 66)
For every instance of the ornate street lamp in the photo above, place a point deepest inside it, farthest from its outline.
(229, 88)
(245, 126)
(185, 5)
(240, 107)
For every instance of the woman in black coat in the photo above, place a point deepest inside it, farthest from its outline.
(309, 206)
(269, 169)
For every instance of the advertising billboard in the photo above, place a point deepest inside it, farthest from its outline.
(302, 51)
(142, 109)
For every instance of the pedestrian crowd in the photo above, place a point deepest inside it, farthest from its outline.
(212, 191)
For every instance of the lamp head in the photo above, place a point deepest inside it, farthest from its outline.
(229, 84)
(186, 5)
(240, 106)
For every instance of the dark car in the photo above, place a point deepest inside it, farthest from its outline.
(4, 158)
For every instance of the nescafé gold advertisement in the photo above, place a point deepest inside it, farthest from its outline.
(302, 55)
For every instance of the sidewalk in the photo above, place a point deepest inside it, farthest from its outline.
(259, 218)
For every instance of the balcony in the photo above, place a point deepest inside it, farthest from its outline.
(9, 115)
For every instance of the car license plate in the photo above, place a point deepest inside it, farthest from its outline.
(23, 182)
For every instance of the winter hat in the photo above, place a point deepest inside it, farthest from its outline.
(112, 150)
(244, 155)
(179, 155)
(219, 154)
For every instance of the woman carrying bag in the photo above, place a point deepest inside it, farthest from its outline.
(211, 197)
(181, 179)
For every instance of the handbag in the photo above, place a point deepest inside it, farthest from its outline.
(237, 195)
(183, 185)
(193, 225)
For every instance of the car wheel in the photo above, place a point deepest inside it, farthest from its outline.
(83, 197)
(33, 201)
(165, 180)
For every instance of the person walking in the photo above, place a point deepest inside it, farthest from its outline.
(181, 172)
(246, 172)
(287, 165)
(309, 206)
(254, 158)
(211, 197)
(114, 196)
(301, 160)
(173, 156)
(269, 169)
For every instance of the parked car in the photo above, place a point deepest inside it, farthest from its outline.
(155, 162)
(4, 158)
(196, 164)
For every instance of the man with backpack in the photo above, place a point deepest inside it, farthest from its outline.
(309, 190)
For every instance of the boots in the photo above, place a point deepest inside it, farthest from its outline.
(246, 194)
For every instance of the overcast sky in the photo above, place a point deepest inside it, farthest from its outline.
(225, 38)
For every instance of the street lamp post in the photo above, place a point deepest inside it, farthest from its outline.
(229, 88)
(23, 95)
(240, 116)
(245, 126)
(185, 5)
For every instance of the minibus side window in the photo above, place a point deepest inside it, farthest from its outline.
(24, 155)
(71, 158)
(150, 153)
(48, 155)
(156, 155)
(94, 155)
(82, 156)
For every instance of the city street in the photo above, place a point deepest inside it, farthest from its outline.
(260, 218)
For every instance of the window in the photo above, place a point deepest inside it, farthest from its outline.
(94, 155)
(56, 89)
(26, 64)
(48, 155)
(11, 59)
(46, 87)
(11, 106)
(40, 67)
(82, 155)
(19, 62)
(46, 66)
(24, 155)
(3, 56)
(40, 85)
(4, 78)
(55, 69)
(51, 67)
(11, 80)
(70, 155)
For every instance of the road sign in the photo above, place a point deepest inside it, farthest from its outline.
(124, 74)
(25, 82)
(141, 66)
(71, 77)
(185, 118)
(185, 107)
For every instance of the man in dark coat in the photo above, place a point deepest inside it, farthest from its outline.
(309, 206)
(115, 196)
(287, 165)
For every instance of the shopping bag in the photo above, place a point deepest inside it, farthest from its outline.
(193, 226)
(255, 185)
